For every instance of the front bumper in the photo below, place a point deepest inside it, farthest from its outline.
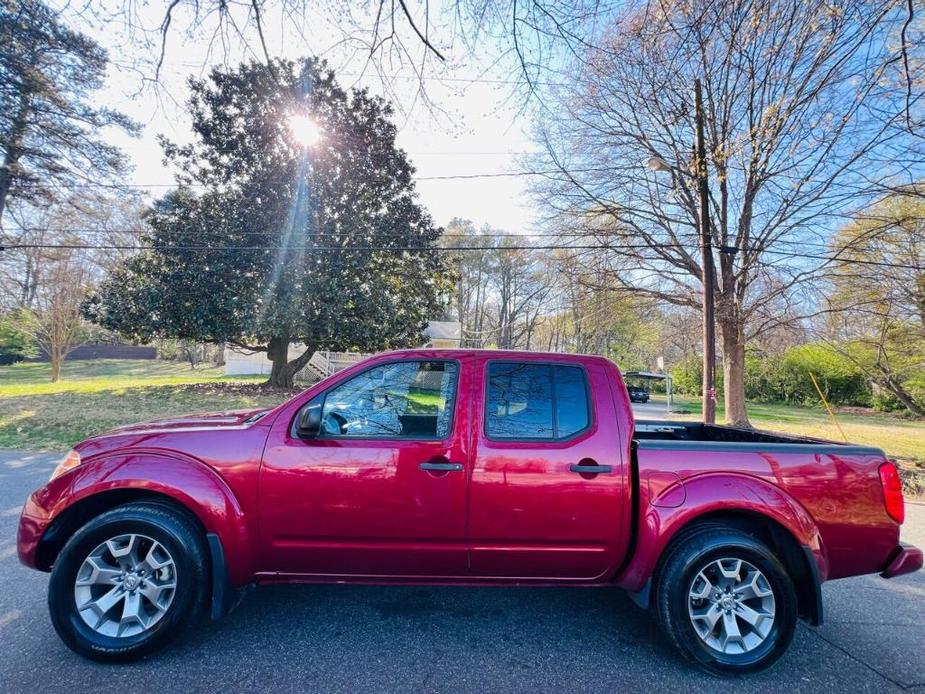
(33, 522)
(906, 559)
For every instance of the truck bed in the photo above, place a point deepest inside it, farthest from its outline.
(653, 433)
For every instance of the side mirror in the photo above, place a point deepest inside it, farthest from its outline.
(309, 422)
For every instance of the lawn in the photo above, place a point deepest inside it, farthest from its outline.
(94, 396)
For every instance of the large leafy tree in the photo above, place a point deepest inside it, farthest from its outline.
(267, 241)
(48, 129)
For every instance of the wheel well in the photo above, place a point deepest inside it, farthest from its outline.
(799, 563)
(78, 514)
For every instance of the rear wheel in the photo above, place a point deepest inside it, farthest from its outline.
(725, 601)
(128, 582)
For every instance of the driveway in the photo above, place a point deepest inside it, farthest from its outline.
(347, 638)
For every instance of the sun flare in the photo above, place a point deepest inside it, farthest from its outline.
(304, 130)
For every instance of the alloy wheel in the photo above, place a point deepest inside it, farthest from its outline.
(125, 585)
(731, 605)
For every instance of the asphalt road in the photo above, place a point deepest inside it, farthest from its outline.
(343, 638)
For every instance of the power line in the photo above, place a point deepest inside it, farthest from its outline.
(447, 177)
(475, 237)
(437, 249)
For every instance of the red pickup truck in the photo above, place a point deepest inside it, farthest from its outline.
(472, 467)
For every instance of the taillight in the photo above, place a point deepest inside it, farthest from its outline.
(892, 492)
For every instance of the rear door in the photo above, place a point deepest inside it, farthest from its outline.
(547, 484)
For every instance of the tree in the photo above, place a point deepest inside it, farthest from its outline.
(268, 241)
(801, 101)
(473, 271)
(501, 285)
(522, 285)
(110, 222)
(49, 132)
(55, 321)
(15, 343)
(877, 297)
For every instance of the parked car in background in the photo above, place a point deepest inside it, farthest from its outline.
(470, 467)
(638, 394)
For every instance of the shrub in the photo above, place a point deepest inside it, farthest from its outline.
(15, 343)
(786, 378)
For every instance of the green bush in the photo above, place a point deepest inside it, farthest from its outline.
(786, 377)
(687, 376)
(15, 343)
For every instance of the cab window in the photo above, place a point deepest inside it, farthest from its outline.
(407, 399)
(527, 401)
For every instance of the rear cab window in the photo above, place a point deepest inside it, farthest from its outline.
(529, 401)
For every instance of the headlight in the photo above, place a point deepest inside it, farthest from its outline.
(70, 461)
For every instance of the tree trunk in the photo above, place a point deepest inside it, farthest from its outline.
(903, 396)
(282, 374)
(278, 353)
(733, 338)
(56, 360)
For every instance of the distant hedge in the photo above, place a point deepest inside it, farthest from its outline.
(786, 377)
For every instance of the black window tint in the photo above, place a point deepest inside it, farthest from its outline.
(519, 401)
(408, 399)
(571, 401)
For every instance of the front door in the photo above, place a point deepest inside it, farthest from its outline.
(547, 490)
(381, 491)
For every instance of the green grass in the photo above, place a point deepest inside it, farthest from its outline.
(104, 374)
(94, 396)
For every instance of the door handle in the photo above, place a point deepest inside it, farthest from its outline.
(592, 469)
(442, 467)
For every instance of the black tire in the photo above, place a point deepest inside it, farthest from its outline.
(684, 560)
(177, 533)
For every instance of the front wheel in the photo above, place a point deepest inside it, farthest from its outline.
(128, 582)
(725, 601)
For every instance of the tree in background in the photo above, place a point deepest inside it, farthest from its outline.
(55, 321)
(878, 300)
(15, 343)
(49, 132)
(473, 273)
(801, 102)
(501, 286)
(111, 221)
(271, 239)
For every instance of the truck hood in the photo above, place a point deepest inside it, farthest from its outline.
(205, 420)
(164, 432)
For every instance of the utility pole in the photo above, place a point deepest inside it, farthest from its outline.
(706, 264)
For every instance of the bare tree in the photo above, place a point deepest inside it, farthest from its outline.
(111, 222)
(876, 298)
(473, 272)
(55, 321)
(522, 285)
(802, 102)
